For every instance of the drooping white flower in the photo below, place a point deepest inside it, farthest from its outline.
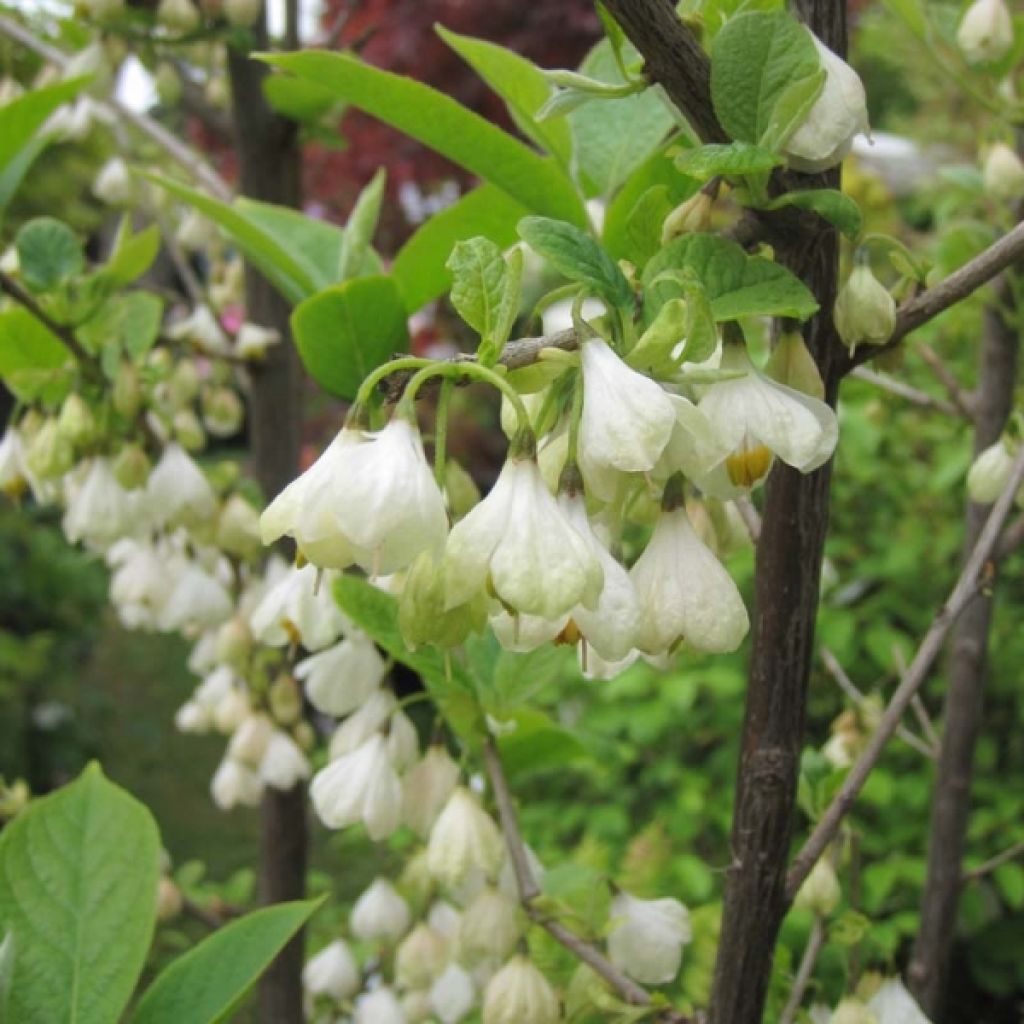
(520, 994)
(893, 1004)
(180, 16)
(202, 329)
(444, 919)
(403, 741)
(360, 786)
(421, 957)
(852, 1011)
(252, 341)
(359, 727)
(426, 789)
(685, 593)
(177, 488)
(990, 473)
(696, 451)
(294, 609)
(195, 232)
(839, 113)
(198, 601)
(627, 417)
(380, 914)
(463, 841)
(985, 32)
(332, 972)
(489, 927)
(249, 741)
(339, 679)
(13, 474)
(647, 937)
(284, 764)
(865, 311)
(101, 510)
(381, 1006)
(453, 995)
(755, 417)
(518, 543)
(234, 784)
(192, 717)
(820, 891)
(113, 184)
(1003, 173)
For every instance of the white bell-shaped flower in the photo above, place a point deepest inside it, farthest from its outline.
(990, 473)
(518, 543)
(852, 1011)
(464, 840)
(295, 610)
(647, 937)
(403, 742)
(202, 329)
(444, 919)
(820, 891)
(685, 593)
(520, 994)
(358, 728)
(421, 957)
(339, 679)
(1003, 173)
(893, 1004)
(13, 474)
(361, 786)
(101, 510)
(234, 784)
(453, 995)
(177, 488)
(198, 601)
(381, 1006)
(426, 789)
(627, 418)
(416, 1007)
(252, 340)
(380, 914)
(113, 184)
(985, 32)
(755, 417)
(489, 927)
(250, 740)
(839, 113)
(332, 972)
(284, 764)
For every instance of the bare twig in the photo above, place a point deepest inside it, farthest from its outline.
(990, 865)
(906, 391)
(185, 157)
(750, 516)
(975, 573)
(958, 394)
(805, 971)
(66, 334)
(917, 705)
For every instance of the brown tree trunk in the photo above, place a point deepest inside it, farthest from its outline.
(788, 572)
(269, 168)
(928, 971)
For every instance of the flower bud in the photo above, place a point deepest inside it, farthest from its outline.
(985, 32)
(180, 16)
(238, 528)
(233, 784)
(380, 914)
(647, 937)
(452, 996)
(76, 423)
(131, 467)
(113, 184)
(865, 312)
(332, 972)
(188, 431)
(249, 742)
(990, 473)
(168, 84)
(223, 412)
(381, 1006)
(285, 699)
(464, 840)
(489, 928)
(689, 217)
(426, 789)
(230, 711)
(13, 798)
(168, 899)
(251, 341)
(423, 616)
(420, 958)
(820, 891)
(49, 454)
(461, 492)
(520, 994)
(1003, 174)
(127, 393)
(242, 13)
(283, 764)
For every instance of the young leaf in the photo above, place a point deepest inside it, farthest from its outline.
(644, 224)
(444, 125)
(49, 253)
(133, 255)
(836, 207)
(791, 109)
(511, 298)
(478, 285)
(346, 331)
(359, 231)
(755, 59)
(23, 117)
(207, 983)
(30, 355)
(578, 257)
(78, 880)
(129, 321)
(733, 159)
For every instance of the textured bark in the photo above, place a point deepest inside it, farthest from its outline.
(788, 573)
(269, 165)
(928, 972)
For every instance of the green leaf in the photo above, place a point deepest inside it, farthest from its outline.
(535, 743)
(29, 355)
(737, 284)
(78, 881)
(130, 321)
(645, 223)
(133, 255)
(613, 137)
(444, 125)
(298, 99)
(346, 331)
(755, 59)
(17, 167)
(578, 257)
(6, 974)
(206, 984)
(359, 231)
(49, 253)
(834, 206)
(520, 83)
(480, 281)
(791, 109)
(419, 269)
(1009, 879)
(23, 117)
(911, 13)
(732, 159)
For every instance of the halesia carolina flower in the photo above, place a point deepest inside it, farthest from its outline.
(865, 312)
(985, 32)
(284, 764)
(756, 418)
(421, 957)
(1003, 173)
(101, 510)
(197, 601)
(178, 15)
(444, 919)
(839, 113)
(426, 789)
(361, 786)
(893, 1004)
(195, 231)
(463, 841)
(238, 528)
(380, 914)
(452, 996)
(852, 1011)
(249, 741)
(489, 928)
(13, 474)
(990, 473)
(381, 1006)
(339, 679)
(359, 727)
(252, 341)
(647, 937)
(518, 544)
(201, 328)
(685, 593)
(693, 214)
(296, 610)
(332, 972)
(234, 784)
(820, 891)
(520, 994)
(242, 13)
(113, 185)
(177, 488)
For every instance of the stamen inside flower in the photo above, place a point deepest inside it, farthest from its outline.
(749, 462)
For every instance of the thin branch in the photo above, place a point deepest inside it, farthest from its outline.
(917, 705)
(66, 334)
(528, 890)
(990, 865)
(815, 941)
(187, 158)
(959, 395)
(976, 573)
(905, 391)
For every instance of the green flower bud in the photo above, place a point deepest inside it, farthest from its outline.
(49, 454)
(223, 411)
(234, 642)
(792, 364)
(180, 16)
(460, 490)
(183, 385)
(1003, 174)
(168, 84)
(421, 608)
(13, 798)
(127, 392)
(865, 312)
(688, 217)
(285, 699)
(76, 422)
(188, 430)
(820, 891)
(238, 528)
(131, 467)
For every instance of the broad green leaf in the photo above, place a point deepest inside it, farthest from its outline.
(23, 117)
(206, 984)
(346, 331)
(520, 83)
(535, 743)
(419, 269)
(511, 299)
(755, 59)
(129, 321)
(78, 881)
(613, 137)
(837, 208)
(6, 974)
(737, 284)
(30, 355)
(49, 253)
(645, 223)
(17, 167)
(444, 125)
(578, 257)
(791, 109)
(298, 99)
(1009, 879)
(479, 281)
(729, 160)
(359, 231)
(133, 255)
